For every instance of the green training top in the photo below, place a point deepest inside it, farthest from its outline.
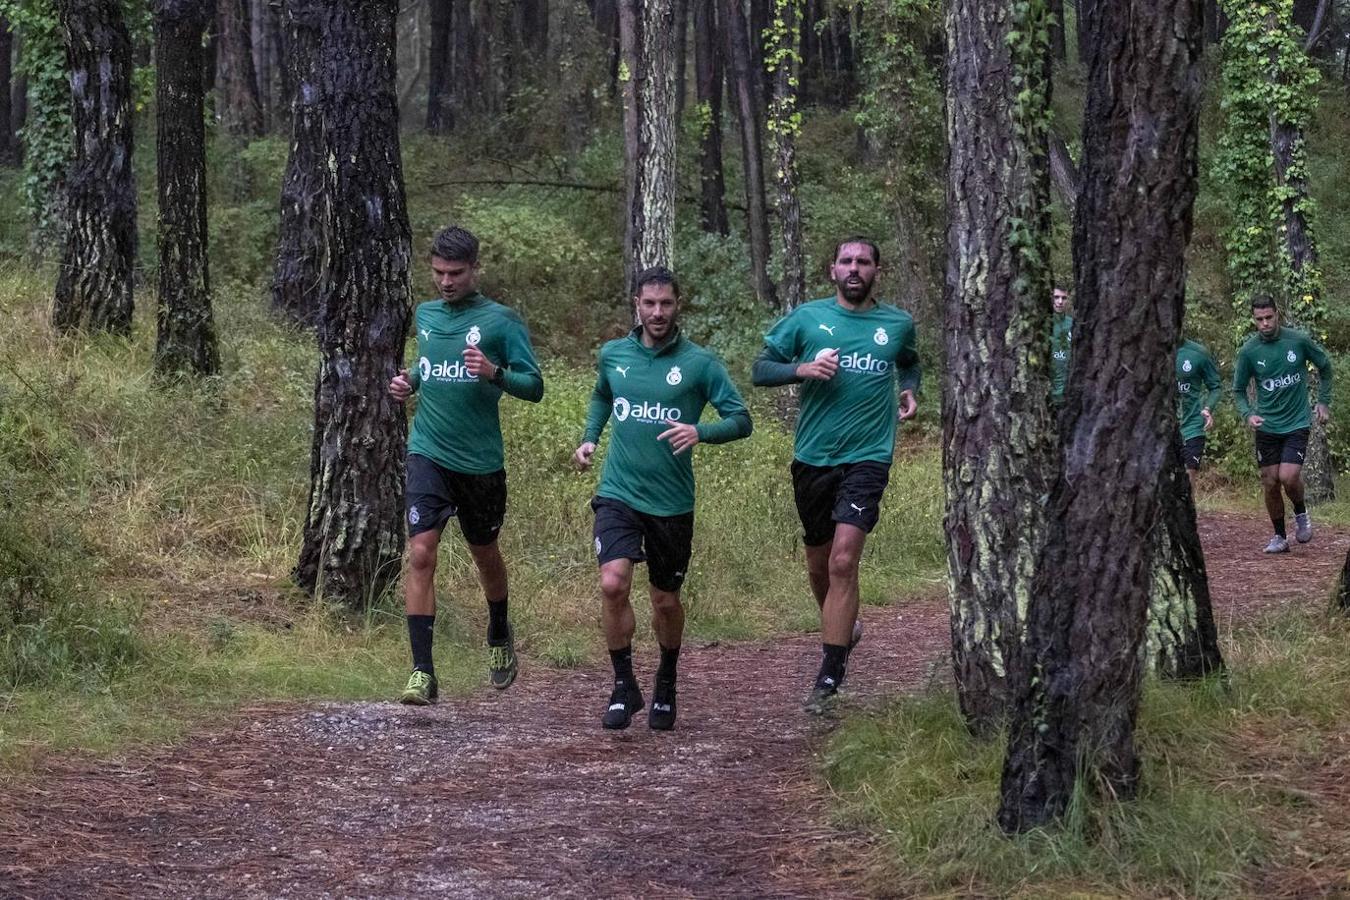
(644, 388)
(1061, 351)
(1279, 366)
(851, 417)
(457, 425)
(1195, 369)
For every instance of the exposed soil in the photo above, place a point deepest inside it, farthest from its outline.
(521, 793)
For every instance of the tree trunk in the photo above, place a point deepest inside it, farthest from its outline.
(1086, 9)
(1182, 639)
(94, 287)
(186, 341)
(1076, 682)
(708, 84)
(1063, 173)
(295, 281)
(783, 126)
(440, 115)
(1340, 599)
(647, 40)
(605, 16)
(239, 106)
(998, 437)
(281, 111)
(354, 533)
(1058, 46)
(681, 55)
(746, 89)
(9, 142)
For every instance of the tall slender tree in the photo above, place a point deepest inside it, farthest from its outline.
(9, 141)
(186, 341)
(708, 84)
(239, 105)
(998, 437)
(783, 58)
(94, 287)
(746, 87)
(353, 537)
(1076, 684)
(440, 113)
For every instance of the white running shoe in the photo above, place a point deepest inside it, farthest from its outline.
(1277, 545)
(1303, 527)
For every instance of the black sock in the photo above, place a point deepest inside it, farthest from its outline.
(670, 658)
(497, 627)
(832, 664)
(419, 635)
(622, 660)
(1279, 525)
(1300, 508)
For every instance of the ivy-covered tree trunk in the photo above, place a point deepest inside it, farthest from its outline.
(9, 140)
(94, 286)
(186, 342)
(295, 280)
(708, 83)
(998, 437)
(784, 61)
(748, 91)
(440, 114)
(1182, 639)
(45, 110)
(354, 533)
(239, 106)
(1076, 682)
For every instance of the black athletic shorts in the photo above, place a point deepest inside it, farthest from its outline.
(1193, 451)
(1274, 449)
(849, 493)
(665, 543)
(436, 493)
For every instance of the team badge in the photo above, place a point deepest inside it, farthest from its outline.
(881, 337)
(1186, 366)
(597, 546)
(413, 515)
(424, 368)
(473, 337)
(1292, 357)
(674, 377)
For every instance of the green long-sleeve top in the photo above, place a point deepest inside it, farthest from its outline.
(851, 417)
(642, 390)
(1061, 354)
(1195, 371)
(1279, 365)
(457, 424)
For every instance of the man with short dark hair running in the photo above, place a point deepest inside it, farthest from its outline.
(1196, 376)
(653, 385)
(1061, 345)
(1276, 359)
(847, 352)
(470, 351)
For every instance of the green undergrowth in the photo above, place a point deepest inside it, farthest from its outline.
(1217, 802)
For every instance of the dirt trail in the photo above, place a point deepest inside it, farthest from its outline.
(522, 794)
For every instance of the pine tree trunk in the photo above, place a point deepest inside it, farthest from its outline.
(1076, 683)
(94, 288)
(186, 342)
(748, 93)
(998, 437)
(1182, 639)
(1086, 9)
(1340, 599)
(1058, 46)
(709, 80)
(281, 114)
(783, 126)
(354, 533)
(440, 114)
(239, 106)
(9, 143)
(295, 280)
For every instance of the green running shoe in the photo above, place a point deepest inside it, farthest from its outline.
(421, 689)
(502, 662)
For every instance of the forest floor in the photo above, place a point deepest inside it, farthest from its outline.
(521, 793)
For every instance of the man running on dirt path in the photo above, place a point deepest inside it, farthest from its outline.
(844, 351)
(1061, 345)
(1196, 375)
(470, 351)
(654, 384)
(1277, 358)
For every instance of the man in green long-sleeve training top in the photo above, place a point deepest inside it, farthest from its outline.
(1198, 393)
(470, 351)
(849, 353)
(1276, 359)
(653, 385)
(1061, 345)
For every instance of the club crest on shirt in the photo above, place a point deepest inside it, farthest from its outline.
(674, 377)
(473, 337)
(413, 515)
(1186, 366)
(1292, 356)
(881, 337)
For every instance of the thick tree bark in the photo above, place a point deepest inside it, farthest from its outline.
(186, 342)
(748, 93)
(295, 281)
(440, 114)
(1063, 172)
(998, 436)
(239, 108)
(647, 41)
(94, 287)
(9, 141)
(783, 127)
(354, 533)
(709, 80)
(1086, 9)
(1058, 45)
(1076, 683)
(1182, 639)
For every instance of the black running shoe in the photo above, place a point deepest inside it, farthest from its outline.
(661, 717)
(502, 662)
(624, 703)
(823, 696)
